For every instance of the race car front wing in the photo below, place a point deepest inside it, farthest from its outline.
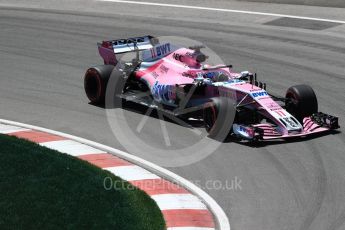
(316, 123)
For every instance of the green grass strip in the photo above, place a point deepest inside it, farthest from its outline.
(44, 189)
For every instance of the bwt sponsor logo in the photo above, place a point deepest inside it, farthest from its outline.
(260, 94)
(160, 50)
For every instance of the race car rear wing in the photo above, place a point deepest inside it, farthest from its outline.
(130, 44)
(108, 49)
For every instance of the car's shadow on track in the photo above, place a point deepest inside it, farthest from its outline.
(197, 123)
(141, 109)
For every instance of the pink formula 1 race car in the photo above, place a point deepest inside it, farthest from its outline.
(176, 80)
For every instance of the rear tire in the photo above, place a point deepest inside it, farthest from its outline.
(301, 101)
(95, 82)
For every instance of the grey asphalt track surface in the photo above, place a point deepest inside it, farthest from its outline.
(293, 185)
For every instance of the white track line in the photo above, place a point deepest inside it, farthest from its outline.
(178, 201)
(223, 10)
(7, 129)
(132, 173)
(71, 147)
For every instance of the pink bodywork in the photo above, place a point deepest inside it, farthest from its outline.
(169, 70)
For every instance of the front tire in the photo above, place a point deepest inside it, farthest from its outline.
(301, 101)
(218, 115)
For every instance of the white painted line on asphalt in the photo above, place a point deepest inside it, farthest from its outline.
(7, 129)
(71, 147)
(132, 172)
(223, 10)
(178, 201)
